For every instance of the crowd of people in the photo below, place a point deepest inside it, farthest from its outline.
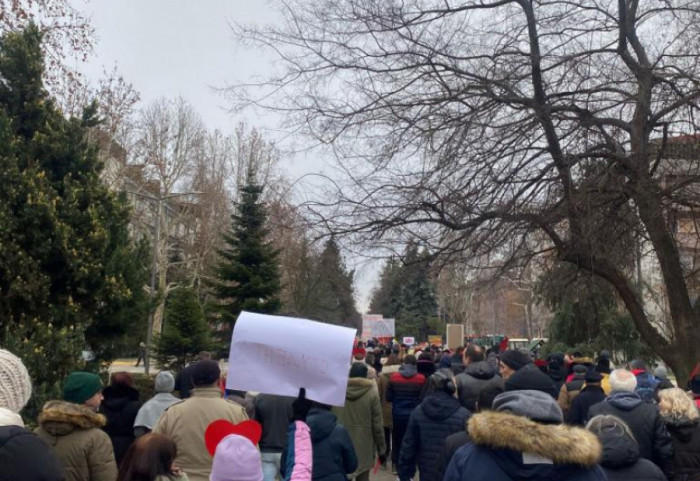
(467, 414)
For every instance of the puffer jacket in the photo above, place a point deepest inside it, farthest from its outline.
(25, 457)
(120, 407)
(362, 417)
(645, 423)
(476, 376)
(74, 434)
(333, 453)
(506, 447)
(383, 384)
(685, 436)
(621, 461)
(405, 390)
(438, 416)
(298, 465)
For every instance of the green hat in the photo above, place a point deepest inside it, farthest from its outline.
(81, 386)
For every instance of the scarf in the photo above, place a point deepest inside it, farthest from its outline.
(10, 418)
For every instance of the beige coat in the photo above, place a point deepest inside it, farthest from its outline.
(186, 421)
(74, 435)
(383, 383)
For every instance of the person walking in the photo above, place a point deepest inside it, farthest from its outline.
(183, 380)
(621, 460)
(151, 458)
(439, 415)
(120, 406)
(681, 417)
(694, 385)
(647, 384)
(273, 413)
(23, 456)
(642, 418)
(592, 393)
(404, 392)
(73, 430)
(391, 366)
(186, 422)
(477, 375)
(141, 354)
(572, 388)
(153, 409)
(511, 361)
(362, 417)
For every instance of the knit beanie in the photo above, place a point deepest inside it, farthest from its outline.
(15, 384)
(515, 359)
(236, 459)
(660, 373)
(81, 386)
(593, 377)
(358, 369)
(165, 382)
(531, 378)
(534, 405)
(205, 373)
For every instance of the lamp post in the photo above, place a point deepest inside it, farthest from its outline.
(154, 265)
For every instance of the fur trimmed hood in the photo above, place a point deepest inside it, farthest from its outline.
(358, 387)
(562, 444)
(59, 418)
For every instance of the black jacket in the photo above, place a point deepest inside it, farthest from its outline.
(25, 457)
(274, 414)
(578, 413)
(452, 444)
(645, 423)
(333, 453)
(685, 435)
(621, 461)
(120, 407)
(475, 377)
(438, 416)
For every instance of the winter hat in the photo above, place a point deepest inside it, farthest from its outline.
(205, 373)
(236, 459)
(604, 354)
(410, 359)
(81, 386)
(593, 377)
(358, 369)
(515, 359)
(660, 373)
(534, 405)
(359, 352)
(580, 371)
(165, 382)
(15, 384)
(603, 366)
(695, 384)
(530, 378)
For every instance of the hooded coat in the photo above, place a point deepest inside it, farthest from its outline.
(645, 423)
(621, 461)
(153, 409)
(404, 390)
(570, 390)
(74, 434)
(333, 453)
(25, 457)
(507, 447)
(685, 436)
(120, 407)
(383, 384)
(476, 376)
(438, 416)
(362, 418)
(589, 396)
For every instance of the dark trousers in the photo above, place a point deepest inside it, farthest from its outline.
(387, 440)
(399, 431)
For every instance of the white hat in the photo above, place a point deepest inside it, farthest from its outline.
(15, 384)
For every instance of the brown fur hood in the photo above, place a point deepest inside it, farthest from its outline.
(59, 418)
(561, 443)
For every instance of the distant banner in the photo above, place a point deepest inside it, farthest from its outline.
(409, 341)
(435, 341)
(374, 325)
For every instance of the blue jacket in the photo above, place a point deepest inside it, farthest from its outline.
(438, 416)
(646, 386)
(506, 447)
(404, 390)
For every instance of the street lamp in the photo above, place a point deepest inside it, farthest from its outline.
(154, 264)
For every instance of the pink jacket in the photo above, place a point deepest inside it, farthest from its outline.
(299, 453)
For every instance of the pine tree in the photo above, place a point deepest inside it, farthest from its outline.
(416, 304)
(386, 296)
(247, 274)
(186, 330)
(335, 295)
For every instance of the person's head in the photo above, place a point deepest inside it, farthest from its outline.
(534, 405)
(15, 383)
(638, 365)
(443, 380)
(579, 371)
(622, 380)
(121, 379)
(473, 353)
(410, 359)
(603, 366)
(392, 360)
(511, 361)
(604, 354)
(675, 404)
(236, 459)
(529, 378)
(593, 378)
(204, 356)
(369, 358)
(695, 385)
(148, 457)
(358, 369)
(660, 373)
(83, 388)
(358, 353)
(205, 373)
(459, 351)
(486, 396)
(165, 382)
(605, 425)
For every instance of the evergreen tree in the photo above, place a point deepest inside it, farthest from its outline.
(416, 305)
(186, 330)
(335, 296)
(386, 296)
(247, 274)
(67, 268)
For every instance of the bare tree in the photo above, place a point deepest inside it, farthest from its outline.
(486, 126)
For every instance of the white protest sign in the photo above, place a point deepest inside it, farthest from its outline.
(384, 328)
(279, 355)
(409, 341)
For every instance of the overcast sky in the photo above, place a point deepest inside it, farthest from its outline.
(185, 48)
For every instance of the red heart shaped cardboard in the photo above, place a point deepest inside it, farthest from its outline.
(221, 428)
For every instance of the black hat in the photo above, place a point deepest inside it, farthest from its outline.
(358, 369)
(205, 373)
(593, 377)
(531, 378)
(695, 384)
(515, 359)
